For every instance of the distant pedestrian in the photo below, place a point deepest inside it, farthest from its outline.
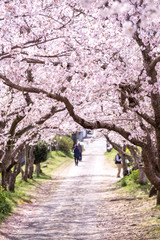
(118, 162)
(76, 155)
(80, 151)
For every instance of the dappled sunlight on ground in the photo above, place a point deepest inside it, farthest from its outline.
(80, 203)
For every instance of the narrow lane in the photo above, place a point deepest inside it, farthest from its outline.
(72, 211)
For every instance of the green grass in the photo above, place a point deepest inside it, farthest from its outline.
(54, 161)
(128, 185)
(24, 190)
(110, 156)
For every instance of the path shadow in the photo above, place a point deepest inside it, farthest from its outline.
(8, 237)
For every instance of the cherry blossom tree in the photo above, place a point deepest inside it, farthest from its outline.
(23, 123)
(128, 151)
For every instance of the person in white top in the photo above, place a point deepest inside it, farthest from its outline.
(118, 162)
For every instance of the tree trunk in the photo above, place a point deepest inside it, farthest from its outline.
(136, 156)
(22, 172)
(12, 181)
(7, 173)
(26, 163)
(38, 169)
(153, 191)
(124, 164)
(4, 180)
(50, 150)
(13, 175)
(31, 163)
(158, 197)
(142, 176)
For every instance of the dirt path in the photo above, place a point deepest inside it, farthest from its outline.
(79, 204)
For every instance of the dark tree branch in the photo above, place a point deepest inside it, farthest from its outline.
(27, 98)
(147, 118)
(34, 61)
(40, 121)
(76, 118)
(116, 146)
(154, 62)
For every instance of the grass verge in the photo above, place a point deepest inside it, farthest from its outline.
(110, 156)
(128, 185)
(24, 191)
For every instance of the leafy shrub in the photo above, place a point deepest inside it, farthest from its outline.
(40, 152)
(123, 182)
(64, 143)
(5, 207)
(132, 178)
(135, 176)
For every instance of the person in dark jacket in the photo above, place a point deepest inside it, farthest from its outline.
(76, 155)
(80, 151)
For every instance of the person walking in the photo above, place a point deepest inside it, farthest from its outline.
(80, 151)
(118, 162)
(76, 155)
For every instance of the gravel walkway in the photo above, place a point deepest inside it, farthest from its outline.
(81, 208)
